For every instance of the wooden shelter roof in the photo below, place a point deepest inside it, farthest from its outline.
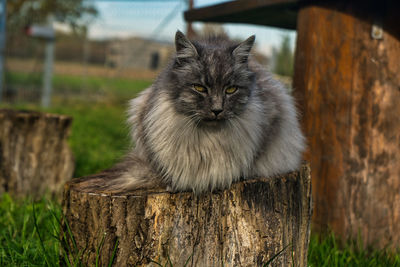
(283, 13)
(277, 13)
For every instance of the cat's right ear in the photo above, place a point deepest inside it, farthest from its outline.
(184, 48)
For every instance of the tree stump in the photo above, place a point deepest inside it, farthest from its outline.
(34, 154)
(245, 225)
(347, 77)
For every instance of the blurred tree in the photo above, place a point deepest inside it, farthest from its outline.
(283, 58)
(76, 13)
(21, 13)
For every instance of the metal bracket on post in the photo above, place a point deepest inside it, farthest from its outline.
(377, 30)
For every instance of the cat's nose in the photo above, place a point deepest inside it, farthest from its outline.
(216, 111)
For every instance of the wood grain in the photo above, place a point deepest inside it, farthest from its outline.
(34, 154)
(245, 225)
(348, 87)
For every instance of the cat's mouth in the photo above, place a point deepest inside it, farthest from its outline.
(213, 121)
(218, 118)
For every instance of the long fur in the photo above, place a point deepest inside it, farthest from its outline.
(258, 137)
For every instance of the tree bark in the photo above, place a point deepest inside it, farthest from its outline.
(245, 225)
(34, 154)
(347, 82)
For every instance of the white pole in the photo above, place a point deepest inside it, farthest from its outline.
(48, 68)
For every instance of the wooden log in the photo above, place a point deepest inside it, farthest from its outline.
(34, 154)
(347, 81)
(246, 225)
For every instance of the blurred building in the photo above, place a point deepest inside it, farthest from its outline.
(138, 53)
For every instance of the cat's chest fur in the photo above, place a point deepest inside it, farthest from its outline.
(201, 158)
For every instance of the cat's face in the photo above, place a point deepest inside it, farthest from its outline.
(211, 81)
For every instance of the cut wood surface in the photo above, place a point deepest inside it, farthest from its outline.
(34, 154)
(347, 77)
(245, 225)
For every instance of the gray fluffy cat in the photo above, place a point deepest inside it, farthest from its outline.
(212, 117)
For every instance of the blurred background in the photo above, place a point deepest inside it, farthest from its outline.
(87, 58)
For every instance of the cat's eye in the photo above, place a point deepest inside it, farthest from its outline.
(231, 90)
(199, 88)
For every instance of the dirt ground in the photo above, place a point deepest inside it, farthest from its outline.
(78, 69)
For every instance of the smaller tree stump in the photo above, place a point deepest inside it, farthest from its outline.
(245, 225)
(34, 154)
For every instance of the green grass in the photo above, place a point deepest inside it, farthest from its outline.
(78, 84)
(20, 223)
(75, 89)
(99, 136)
(328, 250)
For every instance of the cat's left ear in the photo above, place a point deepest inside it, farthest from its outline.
(242, 51)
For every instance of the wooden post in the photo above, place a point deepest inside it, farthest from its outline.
(347, 80)
(246, 225)
(34, 154)
(190, 33)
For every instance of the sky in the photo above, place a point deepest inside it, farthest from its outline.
(161, 19)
